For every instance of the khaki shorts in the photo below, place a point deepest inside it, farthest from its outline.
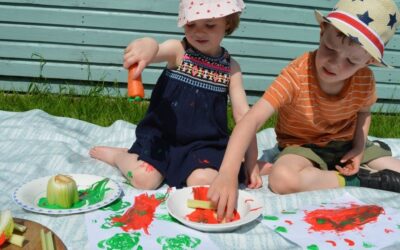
(329, 156)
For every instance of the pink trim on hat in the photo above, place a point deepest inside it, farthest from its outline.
(360, 26)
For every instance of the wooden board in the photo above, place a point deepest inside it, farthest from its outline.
(32, 237)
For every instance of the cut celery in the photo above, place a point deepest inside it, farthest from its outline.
(200, 204)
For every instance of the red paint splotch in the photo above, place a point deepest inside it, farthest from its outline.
(343, 219)
(349, 242)
(201, 215)
(140, 215)
(331, 242)
(2, 238)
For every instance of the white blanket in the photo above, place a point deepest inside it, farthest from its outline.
(34, 144)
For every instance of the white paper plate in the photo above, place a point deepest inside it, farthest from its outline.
(248, 207)
(28, 194)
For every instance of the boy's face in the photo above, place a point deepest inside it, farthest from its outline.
(338, 58)
(206, 35)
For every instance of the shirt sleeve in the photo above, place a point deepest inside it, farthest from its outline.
(283, 88)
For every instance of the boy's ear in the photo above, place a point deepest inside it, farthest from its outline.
(322, 27)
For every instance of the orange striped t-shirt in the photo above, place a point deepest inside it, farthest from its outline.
(308, 115)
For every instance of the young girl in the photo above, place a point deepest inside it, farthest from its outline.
(183, 136)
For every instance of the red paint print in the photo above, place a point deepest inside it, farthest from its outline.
(349, 242)
(343, 219)
(140, 215)
(387, 230)
(201, 215)
(331, 242)
(289, 222)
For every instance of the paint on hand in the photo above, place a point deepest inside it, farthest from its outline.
(92, 195)
(121, 241)
(141, 214)
(207, 216)
(343, 219)
(181, 241)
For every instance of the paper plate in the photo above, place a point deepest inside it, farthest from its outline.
(28, 194)
(248, 206)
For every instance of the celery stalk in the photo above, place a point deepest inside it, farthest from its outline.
(17, 240)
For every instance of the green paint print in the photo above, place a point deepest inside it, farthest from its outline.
(398, 226)
(288, 212)
(181, 241)
(108, 223)
(94, 194)
(368, 245)
(312, 247)
(121, 241)
(281, 229)
(166, 217)
(116, 206)
(270, 217)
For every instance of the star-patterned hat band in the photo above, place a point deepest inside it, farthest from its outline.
(371, 23)
(192, 10)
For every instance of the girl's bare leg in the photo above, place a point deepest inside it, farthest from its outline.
(387, 162)
(140, 174)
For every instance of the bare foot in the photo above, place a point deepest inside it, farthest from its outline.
(106, 154)
(265, 167)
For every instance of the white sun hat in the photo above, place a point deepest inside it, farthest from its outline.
(192, 10)
(371, 23)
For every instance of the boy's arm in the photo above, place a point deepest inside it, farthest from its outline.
(224, 189)
(352, 159)
(146, 50)
(239, 108)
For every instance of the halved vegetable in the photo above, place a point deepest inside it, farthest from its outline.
(62, 191)
(7, 228)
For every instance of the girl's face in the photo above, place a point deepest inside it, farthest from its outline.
(206, 35)
(337, 59)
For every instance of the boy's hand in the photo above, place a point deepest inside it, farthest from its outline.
(223, 193)
(351, 162)
(140, 52)
(253, 177)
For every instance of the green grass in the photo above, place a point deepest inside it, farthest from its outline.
(105, 110)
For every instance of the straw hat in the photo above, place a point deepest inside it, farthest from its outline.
(192, 10)
(369, 22)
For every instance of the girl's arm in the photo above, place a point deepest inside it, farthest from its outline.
(239, 109)
(146, 50)
(224, 189)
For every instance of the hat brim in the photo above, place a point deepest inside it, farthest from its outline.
(321, 18)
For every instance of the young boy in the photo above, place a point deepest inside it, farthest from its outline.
(323, 100)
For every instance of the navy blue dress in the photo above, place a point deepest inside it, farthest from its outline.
(185, 127)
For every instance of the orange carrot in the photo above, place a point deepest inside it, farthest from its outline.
(135, 86)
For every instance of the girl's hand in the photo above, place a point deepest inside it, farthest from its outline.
(140, 52)
(223, 192)
(351, 162)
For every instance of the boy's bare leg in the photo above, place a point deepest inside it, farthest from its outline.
(139, 173)
(201, 176)
(387, 162)
(293, 173)
(265, 167)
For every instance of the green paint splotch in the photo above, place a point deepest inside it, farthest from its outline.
(92, 195)
(166, 217)
(181, 241)
(368, 245)
(108, 223)
(270, 217)
(312, 247)
(121, 241)
(129, 174)
(116, 206)
(281, 229)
